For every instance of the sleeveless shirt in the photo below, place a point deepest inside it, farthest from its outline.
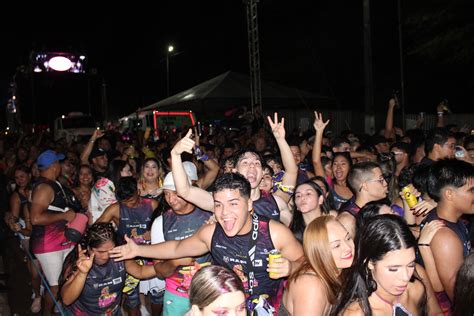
(178, 227)
(102, 291)
(50, 238)
(134, 221)
(233, 253)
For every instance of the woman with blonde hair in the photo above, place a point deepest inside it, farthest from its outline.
(216, 290)
(313, 287)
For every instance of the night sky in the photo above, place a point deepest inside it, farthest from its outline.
(312, 45)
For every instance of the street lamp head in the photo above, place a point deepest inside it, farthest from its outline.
(170, 48)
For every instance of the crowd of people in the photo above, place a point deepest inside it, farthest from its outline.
(254, 221)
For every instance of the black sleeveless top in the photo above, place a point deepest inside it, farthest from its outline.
(102, 292)
(267, 206)
(233, 253)
(135, 221)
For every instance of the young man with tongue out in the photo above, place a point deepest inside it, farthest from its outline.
(240, 241)
(249, 164)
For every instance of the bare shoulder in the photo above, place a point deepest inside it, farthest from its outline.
(113, 207)
(309, 282)
(42, 188)
(446, 240)
(43, 194)
(346, 216)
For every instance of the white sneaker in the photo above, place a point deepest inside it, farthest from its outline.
(36, 306)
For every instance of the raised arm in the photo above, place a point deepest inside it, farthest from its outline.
(194, 195)
(291, 169)
(212, 167)
(319, 126)
(440, 114)
(74, 285)
(90, 144)
(193, 246)
(389, 132)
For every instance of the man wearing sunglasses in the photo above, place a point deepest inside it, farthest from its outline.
(401, 152)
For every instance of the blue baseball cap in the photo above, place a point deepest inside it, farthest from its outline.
(47, 158)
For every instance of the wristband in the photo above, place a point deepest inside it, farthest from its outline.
(440, 113)
(423, 245)
(203, 157)
(200, 155)
(285, 188)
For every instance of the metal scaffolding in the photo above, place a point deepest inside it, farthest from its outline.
(254, 54)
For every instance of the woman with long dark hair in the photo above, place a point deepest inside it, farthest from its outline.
(308, 200)
(82, 187)
(341, 165)
(383, 279)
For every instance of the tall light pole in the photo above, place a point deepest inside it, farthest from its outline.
(170, 50)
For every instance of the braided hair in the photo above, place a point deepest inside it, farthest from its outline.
(94, 236)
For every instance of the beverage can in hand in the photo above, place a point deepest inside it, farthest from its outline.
(409, 197)
(272, 255)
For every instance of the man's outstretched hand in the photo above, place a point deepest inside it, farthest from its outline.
(124, 252)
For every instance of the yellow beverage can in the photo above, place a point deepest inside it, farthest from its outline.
(272, 255)
(409, 197)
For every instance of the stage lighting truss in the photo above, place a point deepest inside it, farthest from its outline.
(58, 62)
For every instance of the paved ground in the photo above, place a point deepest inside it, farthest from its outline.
(17, 299)
(14, 276)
